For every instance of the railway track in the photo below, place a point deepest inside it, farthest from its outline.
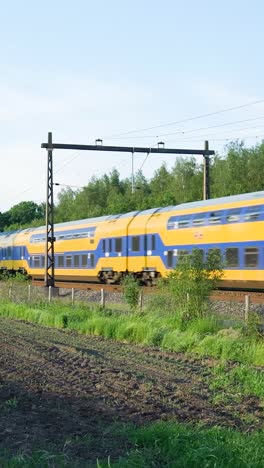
(217, 295)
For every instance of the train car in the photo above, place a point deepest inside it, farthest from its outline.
(8, 252)
(149, 243)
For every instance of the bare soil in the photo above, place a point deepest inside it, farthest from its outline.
(64, 392)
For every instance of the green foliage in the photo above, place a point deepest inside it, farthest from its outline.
(253, 325)
(131, 291)
(188, 287)
(239, 380)
(200, 335)
(24, 214)
(16, 278)
(172, 444)
(38, 458)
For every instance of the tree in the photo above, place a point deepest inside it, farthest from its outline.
(66, 208)
(187, 180)
(4, 220)
(25, 212)
(162, 188)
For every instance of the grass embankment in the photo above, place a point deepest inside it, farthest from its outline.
(204, 336)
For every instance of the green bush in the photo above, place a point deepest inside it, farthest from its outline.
(187, 288)
(131, 291)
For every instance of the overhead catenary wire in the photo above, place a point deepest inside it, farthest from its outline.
(183, 132)
(189, 119)
(161, 126)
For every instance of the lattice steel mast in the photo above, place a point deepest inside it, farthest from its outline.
(49, 257)
(49, 253)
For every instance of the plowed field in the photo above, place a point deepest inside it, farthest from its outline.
(62, 392)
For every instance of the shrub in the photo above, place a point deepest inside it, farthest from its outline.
(191, 283)
(131, 291)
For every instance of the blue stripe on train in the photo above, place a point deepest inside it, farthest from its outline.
(160, 251)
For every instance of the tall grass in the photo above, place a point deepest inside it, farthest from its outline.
(175, 445)
(239, 380)
(203, 335)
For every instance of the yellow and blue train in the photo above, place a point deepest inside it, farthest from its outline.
(148, 243)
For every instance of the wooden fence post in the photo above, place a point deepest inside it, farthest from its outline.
(103, 298)
(140, 300)
(72, 295)
(10, 293)
(247, 304)
(29, 292)
(50, 293)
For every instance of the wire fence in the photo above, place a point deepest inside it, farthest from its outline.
(28, 293)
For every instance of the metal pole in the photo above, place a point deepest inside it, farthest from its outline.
(206, 181)
(132, 177)
(49, 253)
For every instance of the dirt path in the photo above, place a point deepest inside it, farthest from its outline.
(62, 391)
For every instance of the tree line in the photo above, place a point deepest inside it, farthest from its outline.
(239, 170)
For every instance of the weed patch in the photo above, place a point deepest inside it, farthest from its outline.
(185, 446)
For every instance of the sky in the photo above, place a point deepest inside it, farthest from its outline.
(110, 69)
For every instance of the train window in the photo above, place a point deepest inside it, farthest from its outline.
(251, 257)
(92, 260)
(153, 242)
(36, 262)
(9, 252)
(43, 261)
(199, 219)
(233, 216)
(170, 259)
(68, 261)
(184, 222)
(118, 244)
(179, 222)
(232, 257)
(84, 260)
(252, 213)
(60, 261)
(172, 223)
(215, 217)
(135, 243)
(76, 260)
(103, 247)
(110, 245)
